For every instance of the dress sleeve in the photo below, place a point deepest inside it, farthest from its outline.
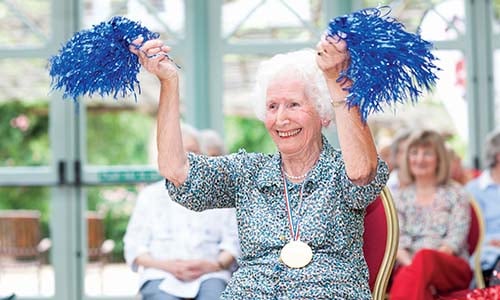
(212, 182)
(360, 196)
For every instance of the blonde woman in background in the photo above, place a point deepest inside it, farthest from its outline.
(434, 220)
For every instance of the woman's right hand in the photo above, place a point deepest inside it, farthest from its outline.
(153, 56)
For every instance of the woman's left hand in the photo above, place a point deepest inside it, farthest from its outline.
(333, 57)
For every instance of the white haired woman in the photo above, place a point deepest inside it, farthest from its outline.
(300, 211)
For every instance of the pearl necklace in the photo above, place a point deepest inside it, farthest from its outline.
(295, 177)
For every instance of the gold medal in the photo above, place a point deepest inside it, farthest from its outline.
(296, 254)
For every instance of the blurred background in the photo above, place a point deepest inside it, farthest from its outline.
(70, 173)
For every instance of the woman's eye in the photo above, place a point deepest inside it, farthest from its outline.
(271, 106)
(294, 104)
(429, 153)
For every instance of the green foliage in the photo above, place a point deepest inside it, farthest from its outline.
(247, 133)
(24, 132)
(118, 138)
(496, 10)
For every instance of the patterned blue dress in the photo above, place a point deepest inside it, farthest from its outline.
(331, 223)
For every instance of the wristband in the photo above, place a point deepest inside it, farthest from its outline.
(337, 103)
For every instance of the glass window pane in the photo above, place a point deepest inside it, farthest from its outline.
(108, 211)
(25, 23)
(496, 75)
(444, 21)
(242, 129)
(438, 20)
(292, 20)
(239, 79)
(119, 135)
(24, 78)
(496, 16)
(163, 16)
(24, 109)
(127, 124)
(25, 140)
(25, 261)
(450, 91)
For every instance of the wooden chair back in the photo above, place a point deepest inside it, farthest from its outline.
(19, 233)
(95, 234)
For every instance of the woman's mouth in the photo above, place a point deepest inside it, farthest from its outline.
(289, 133)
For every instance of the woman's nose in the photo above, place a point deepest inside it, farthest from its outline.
(282, 116)
(420, 157)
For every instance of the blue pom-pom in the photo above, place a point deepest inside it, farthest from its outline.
(98, 60)
(388, 64)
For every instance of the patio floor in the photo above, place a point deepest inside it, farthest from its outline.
(116, 280)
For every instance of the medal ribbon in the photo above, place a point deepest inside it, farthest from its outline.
(294, 227)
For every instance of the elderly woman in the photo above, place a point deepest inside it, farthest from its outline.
(434, 220)
(300, 211)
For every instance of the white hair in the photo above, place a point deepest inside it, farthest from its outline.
(189, 130)
(298, 64)
(492, 148)
(211, 139)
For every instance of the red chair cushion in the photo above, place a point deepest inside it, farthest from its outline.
(375, 238)
(473, 237)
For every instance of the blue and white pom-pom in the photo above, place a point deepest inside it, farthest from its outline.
(388, 64)
(98, 60)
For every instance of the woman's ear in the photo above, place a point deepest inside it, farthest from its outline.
(325, 123)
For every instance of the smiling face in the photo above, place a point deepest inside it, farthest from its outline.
(423, 161)
(291, 118)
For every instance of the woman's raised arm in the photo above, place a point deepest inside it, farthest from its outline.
(172, 159)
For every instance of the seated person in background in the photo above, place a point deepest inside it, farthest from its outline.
(486, 191)
(434, 220)
(397, 151)
(212, 143)
(457, 170)
(181, 253)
